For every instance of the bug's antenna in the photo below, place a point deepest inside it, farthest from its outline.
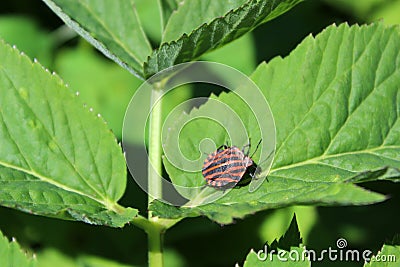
(259, 142)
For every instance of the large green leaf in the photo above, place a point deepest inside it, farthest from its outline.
(193, 13)
(336, 105)
(12, 255)
(57, 158)
(113, 27)
(214, 34)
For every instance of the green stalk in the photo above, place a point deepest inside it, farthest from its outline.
(155, 232)
(155, 237)
(155, 150)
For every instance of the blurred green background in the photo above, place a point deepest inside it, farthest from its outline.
(106, 87)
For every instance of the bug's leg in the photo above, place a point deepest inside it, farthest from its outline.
(248, 146)
(259, 142)
(255, 172)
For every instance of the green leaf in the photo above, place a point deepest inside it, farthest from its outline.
(167, 7)
(198, 129)
(288, 251)
(50, 257)
(103, 85)
(150, 18)
(291, 238)
(57, 158)
(192, 14)
(113, 27)
(335, 101)
(388, 256)
(11, 254)
(275, 223)
(214, 34)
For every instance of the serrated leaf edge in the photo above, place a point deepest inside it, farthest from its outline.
(110, 205)
(96, 43)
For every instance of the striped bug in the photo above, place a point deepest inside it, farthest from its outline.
(226, 166)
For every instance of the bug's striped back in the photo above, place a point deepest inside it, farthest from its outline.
(225, 167)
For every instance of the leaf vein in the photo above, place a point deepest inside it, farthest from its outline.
(53, 139)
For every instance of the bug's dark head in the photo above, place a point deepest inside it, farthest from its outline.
(250, 173)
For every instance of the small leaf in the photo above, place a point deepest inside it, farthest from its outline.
(57, 158)
(113, 27)
(335, 101)
(11, 254)
(388, 256)
(288, 251)
(291, 238)
(218, 32)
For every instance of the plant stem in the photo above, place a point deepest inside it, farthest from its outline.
(155, 151)
(156, 231)
(155, 237)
